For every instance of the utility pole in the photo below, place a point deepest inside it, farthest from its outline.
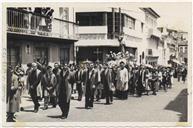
(113, 23)
(120, 22)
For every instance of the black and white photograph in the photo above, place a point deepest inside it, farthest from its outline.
(95, 62)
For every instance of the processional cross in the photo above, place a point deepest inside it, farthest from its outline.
(97, 52)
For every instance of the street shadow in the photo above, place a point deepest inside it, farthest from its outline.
(57, 116)
(179, 104)
(80, 107)
(42, 108)
(28, 110)
(98, 103)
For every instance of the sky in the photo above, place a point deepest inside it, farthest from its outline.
(175, 15)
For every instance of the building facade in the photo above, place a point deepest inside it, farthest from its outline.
(46, 35)
(99, 33)
(183, 47)
(100, 29)
(153, 51)
(175, 45)
(170, 39)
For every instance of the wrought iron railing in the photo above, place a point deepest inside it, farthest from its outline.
(24, 22)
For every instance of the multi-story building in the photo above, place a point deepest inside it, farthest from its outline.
(153, 45)
(46, 35)
(100, 29)
(183, 47)
(174, 45)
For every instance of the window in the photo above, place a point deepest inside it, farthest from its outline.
(131, 23)
(150, 52)
(126, 21)
(90, 19)
(142, 27)
(181, 49)
(186, 49)
(13, 56)
(64, 55)
(64, 27)
(63, 13)
(146, 18)
(150, 21)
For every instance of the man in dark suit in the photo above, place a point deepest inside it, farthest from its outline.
(164, 79)
(72, 78)
(107, 80)
(141, 81)
(90, 80)
(34, 79)
(57, 72)
(79, 80)
(64, 92)
(154, 81)
(133, 80)
(184, 74)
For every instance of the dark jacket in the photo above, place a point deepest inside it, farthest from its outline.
(141, 75)
(58, 78)
(64, 87)
(79, 76)
(34, 78)
(91, 81)
(107, 79)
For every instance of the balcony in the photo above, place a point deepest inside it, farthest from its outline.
(92, 36)
(154, 32)
(28, 23)
(132, 32)
(92, 32)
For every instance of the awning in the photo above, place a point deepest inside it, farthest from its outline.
(94, 43)
(152, 57)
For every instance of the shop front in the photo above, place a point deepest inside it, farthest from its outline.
(43, 50)
(94, 54)
(152, 60)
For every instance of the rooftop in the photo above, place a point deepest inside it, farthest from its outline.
(151, 11)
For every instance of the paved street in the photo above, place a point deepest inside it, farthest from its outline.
(168, 106)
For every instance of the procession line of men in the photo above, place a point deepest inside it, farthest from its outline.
(94, 81)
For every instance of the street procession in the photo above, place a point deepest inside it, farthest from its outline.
(94, 81)
(62, 57)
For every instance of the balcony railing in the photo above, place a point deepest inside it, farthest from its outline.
(23, 22)
(92, 36)
(154, 32)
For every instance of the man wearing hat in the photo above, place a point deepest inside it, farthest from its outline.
(49, 83)
(34, 79)
(13, 94)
